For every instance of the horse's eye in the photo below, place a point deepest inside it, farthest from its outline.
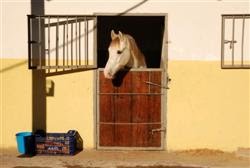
(119, 51)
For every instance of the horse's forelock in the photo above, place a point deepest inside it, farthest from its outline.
(115, 43)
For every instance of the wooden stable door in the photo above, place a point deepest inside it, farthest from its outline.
(130, 110)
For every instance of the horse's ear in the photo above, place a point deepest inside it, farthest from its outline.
(120, 35)
(113, 35)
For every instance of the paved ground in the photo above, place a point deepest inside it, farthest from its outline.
(202, 158)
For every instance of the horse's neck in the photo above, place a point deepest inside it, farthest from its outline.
(137, 60)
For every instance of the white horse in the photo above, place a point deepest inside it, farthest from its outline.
(123, 52)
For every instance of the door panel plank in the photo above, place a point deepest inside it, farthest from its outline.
(107, 108)
(106, 136)
(123, 110)
(122, 135)
(138, 82)
(155, 77)
(129, 112)
(154, 108)
(130, 135)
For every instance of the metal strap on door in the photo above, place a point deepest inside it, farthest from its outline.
(61, 42)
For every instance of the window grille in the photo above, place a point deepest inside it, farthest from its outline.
(235, 41)
(61, 42)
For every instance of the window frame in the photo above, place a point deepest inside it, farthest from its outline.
(243, 65)
(38, 60)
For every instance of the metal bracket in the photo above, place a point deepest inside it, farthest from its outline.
(158, 130)
(33, 42)
(155, 84)
(169, 79)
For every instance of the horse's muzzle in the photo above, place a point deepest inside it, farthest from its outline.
(108, 75)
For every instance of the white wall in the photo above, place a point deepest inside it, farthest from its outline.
(194, 26)
(14, 28)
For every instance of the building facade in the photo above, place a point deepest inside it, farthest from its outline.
(206, 106)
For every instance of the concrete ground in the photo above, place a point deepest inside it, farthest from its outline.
(201, 158)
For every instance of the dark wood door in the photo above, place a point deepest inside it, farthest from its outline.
(130, 110)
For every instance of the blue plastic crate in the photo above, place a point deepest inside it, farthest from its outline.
(58, 143)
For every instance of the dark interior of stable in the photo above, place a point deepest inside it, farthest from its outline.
(147, 31)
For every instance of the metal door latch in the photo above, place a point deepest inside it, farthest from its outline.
(231, 43)
(155, 84)
(158, 130)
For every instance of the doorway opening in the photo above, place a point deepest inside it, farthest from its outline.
(131, 115)
(148, 32)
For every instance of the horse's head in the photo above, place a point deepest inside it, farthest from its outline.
(119, 55)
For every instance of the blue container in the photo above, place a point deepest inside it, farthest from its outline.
(58, 143)
(25, 142)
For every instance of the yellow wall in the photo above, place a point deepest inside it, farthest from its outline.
(16, 99)
(207, 107)
(71, 107)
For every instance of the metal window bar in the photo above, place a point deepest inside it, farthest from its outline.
(76, 39)
(71, 42)
(79, 43)
(67, 38)
(57, 40)
(86, 42)
(48, 43)
(243, 63)
(232, 43)
(63, 47)
(40, 40)
(242, 41)
(29, 43)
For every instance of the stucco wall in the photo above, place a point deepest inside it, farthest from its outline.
(206, 106)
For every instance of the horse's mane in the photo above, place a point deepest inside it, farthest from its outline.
(138, 56)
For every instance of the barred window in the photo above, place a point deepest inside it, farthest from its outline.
(235, 41)
(61, 42)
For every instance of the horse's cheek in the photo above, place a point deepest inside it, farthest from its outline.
(109, 65)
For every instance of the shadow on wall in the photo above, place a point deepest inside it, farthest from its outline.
(13, 66)
(38, 77)
(69, 42)
(39, 92)
(37, 8)
(95, 26)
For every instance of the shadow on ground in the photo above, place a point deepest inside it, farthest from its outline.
(30, 167)
(156, 166)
